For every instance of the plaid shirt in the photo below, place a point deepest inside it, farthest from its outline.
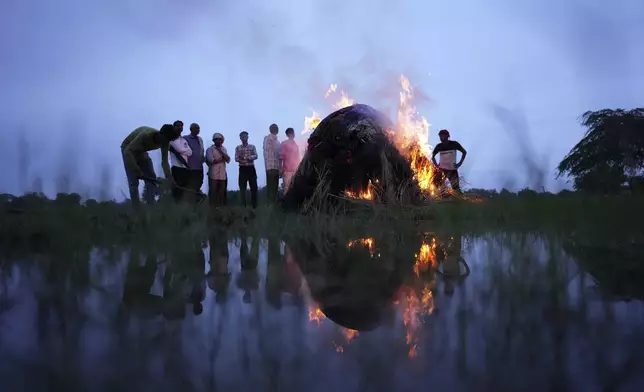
(245, 155)
(271, 152)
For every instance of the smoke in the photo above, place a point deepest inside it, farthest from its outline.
(515, 123)
(23, 160)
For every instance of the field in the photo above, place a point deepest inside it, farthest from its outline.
(512, 292)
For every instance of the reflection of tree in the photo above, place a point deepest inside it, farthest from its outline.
(66, 284)
(616, 268)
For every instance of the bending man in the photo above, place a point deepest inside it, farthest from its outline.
(138, 165)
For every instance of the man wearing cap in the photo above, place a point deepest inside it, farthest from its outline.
(137, 162)
(245, 156)
(196, 160)
(447, 167)
(216, 159)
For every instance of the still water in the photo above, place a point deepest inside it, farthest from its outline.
(446, 312)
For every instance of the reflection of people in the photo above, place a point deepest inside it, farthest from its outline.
(449, 255)
(138, 282)
(274, 274)
(184, 282)
(219, 276)
(248, 278)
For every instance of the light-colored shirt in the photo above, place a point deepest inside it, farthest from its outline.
(245, 155)
(181, 146)
(447, 151)
(138, 143)
(289, 155)
(271, 152)
(217, 171)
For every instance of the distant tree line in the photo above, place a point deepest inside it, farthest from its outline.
(610, 156)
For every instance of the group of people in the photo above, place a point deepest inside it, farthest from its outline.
(188, 155)
(185, 169)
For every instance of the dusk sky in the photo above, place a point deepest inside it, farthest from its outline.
(508, 78)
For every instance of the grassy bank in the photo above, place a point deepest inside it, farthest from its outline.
(34, 220)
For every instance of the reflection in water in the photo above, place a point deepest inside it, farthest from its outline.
(398, 313)
(218, 276)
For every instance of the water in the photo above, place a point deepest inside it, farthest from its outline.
(514, 312)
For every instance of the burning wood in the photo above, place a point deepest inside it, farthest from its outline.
(351, 154)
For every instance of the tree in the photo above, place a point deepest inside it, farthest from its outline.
(610, 153)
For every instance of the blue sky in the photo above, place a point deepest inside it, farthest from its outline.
(508, 78)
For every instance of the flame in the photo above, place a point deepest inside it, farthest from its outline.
(367, 194)
(368, 243)
(410, 136)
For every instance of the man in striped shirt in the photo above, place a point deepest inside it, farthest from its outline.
(137, 162)
(245, 156)
(272, 162)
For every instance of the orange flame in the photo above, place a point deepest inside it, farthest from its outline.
(367, 194)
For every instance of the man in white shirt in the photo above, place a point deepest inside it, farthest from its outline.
(448, 167)
(180, 151)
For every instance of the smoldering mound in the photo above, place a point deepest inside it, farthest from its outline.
(348, 150)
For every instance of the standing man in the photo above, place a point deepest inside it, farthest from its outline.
(217, 158)
(448, 168)
(137, 162)
(180, 152)
(289, 158)
(245, 155)
(178, 126)
(272, 162)
(196, 160)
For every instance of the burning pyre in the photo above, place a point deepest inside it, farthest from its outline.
(410, 136)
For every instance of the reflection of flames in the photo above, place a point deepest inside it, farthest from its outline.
(410, 136)
(413, 304)
(315, 314)
(426, 257)
(414, 307)
(349, 335)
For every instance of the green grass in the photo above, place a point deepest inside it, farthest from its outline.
(35, 223)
